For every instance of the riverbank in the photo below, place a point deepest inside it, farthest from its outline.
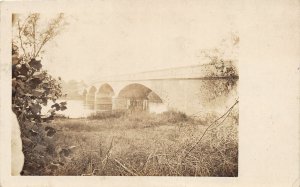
(167, 144)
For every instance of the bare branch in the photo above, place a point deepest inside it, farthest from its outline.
(41, 46)
(52, 31)
(20, 37)
(213, 123)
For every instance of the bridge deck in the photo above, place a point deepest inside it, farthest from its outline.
(206, 71)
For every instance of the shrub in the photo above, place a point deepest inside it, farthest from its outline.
(33, 87)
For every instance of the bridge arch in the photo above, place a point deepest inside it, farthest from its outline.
(103, 99)
(138, 97)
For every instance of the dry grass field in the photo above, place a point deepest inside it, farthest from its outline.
(141, 144)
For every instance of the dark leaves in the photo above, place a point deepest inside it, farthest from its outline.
(63, 103)
(35, 109)
(36, 64)
(62, 108)
(56, 106)
(44, 101)
(38, 92)
(34, 83)
(23, 70)
(50, 131)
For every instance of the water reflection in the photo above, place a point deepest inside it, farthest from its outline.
(78, 109)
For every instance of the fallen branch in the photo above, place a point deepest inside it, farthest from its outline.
(107, 155)
(199, 140)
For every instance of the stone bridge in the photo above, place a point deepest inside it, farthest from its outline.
(192, 90)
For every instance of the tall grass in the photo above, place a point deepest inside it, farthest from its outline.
(146, 144)
(107, 114)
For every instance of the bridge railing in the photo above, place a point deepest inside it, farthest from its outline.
(195, 71)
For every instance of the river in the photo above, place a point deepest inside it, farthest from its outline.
(77, 109)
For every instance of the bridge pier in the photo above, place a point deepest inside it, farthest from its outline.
(90, 101)
(103, 103)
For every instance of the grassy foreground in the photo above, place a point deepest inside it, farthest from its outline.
(144, 144)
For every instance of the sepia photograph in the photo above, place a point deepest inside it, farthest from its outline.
(143, 103)
(149, 93)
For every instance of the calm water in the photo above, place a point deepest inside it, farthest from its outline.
(76, 109)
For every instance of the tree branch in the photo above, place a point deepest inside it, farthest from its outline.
(199, 140)
(20, 37)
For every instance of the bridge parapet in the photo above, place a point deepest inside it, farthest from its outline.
(187, 72)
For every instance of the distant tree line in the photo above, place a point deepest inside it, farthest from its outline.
(73, 89)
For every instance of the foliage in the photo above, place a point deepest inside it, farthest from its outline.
(73, 89)
(33, 87)
(223, 61)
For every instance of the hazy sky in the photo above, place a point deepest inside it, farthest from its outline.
(115, 38)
